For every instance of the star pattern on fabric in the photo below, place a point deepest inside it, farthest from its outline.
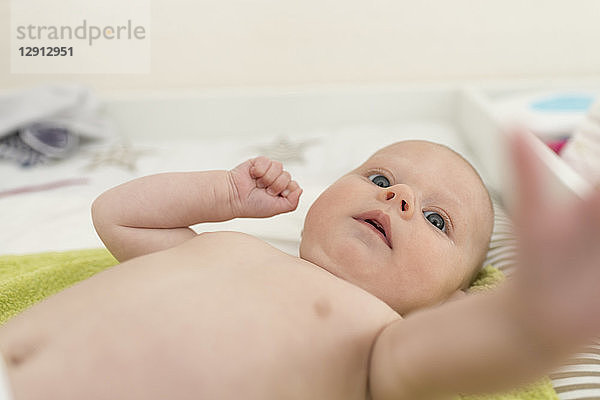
(285, 150)
(121, 154)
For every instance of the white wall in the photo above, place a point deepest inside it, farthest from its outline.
(215, 43)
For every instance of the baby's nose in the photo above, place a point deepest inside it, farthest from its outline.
(403, 196)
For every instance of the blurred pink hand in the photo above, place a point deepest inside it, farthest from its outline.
(558, 276)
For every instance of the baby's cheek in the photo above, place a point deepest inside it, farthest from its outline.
(438, 264)
(427, 251)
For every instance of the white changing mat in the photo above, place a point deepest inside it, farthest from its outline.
(59, 219)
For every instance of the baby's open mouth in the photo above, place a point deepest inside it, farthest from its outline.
(379, 222)
(376, 225)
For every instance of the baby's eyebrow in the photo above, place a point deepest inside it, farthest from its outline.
(450, 203)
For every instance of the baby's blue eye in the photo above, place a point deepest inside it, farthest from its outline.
(436, 220)
(379, 180)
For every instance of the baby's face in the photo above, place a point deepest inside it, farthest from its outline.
(410, 225)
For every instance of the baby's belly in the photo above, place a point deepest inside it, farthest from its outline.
(222, 316)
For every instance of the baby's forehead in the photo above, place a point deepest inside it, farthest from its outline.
(429, 157)
(420, 146)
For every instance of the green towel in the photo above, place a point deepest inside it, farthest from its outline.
(27, 279)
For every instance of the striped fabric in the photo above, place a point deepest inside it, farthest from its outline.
(579, 378)
(503, 245)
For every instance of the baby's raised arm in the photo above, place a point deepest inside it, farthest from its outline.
(497, 340)
(154, 212)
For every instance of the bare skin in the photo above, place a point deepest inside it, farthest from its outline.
(243, 312)
(224, 315)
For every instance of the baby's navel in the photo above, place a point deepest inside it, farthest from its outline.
(322, 308)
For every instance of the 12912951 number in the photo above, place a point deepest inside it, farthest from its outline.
(46, 51)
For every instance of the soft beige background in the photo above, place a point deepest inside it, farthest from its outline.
(222, 43)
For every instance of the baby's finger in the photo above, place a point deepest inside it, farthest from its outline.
(292, 193)
(272, 173)
(280, 184)
(293, 185)
(294, 197)
(259, 166)
(527, 176)
(589, 216)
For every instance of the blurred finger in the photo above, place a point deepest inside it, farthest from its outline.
(590, 215)
(526, 175)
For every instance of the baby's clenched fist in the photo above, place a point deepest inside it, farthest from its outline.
(260, 187)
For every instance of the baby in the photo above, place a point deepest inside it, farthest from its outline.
(225, 315)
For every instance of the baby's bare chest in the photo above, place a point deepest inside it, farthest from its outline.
(231, 315)
(275, 324)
